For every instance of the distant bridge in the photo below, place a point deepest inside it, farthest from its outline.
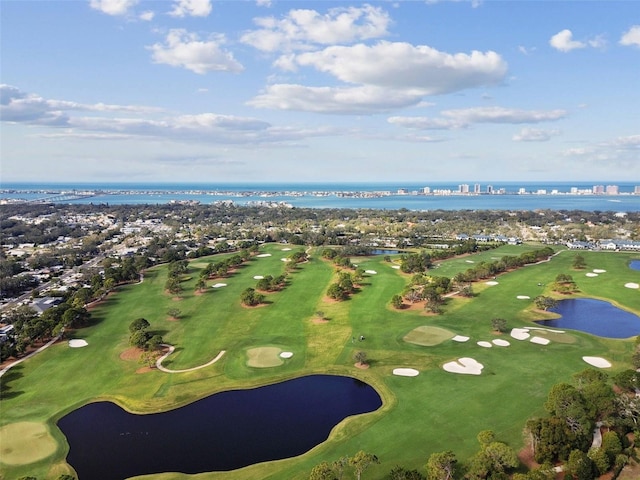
(62, 197)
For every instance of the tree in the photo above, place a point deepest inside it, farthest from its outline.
(499, 324)
(361, 461)
(360, 357)
(579, 466)
(611, 445)
(466, 290)
(251, 298)
(566, 402)
(336, 292)
(139, 338)
(201, 285)
(173, 285)
(579, 262)
(139, 324)
(441, 466)
(401, 473)
(320, 314)
(544, 303)
(396, 301)
(600, 460)
(322, 471)
(174, 312)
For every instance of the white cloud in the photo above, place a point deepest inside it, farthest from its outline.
(147, 16)
(599, 41)
(263, 3)
(620, 152)
(191, 8)
(301, 28)
(462, 118)
(183, 49)
(564, 42)
(113, 7)
(631, 37)
(534, 135)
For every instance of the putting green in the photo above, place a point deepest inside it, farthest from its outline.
(428, 336)
(555, 336)
(264, 357)
(23, 443)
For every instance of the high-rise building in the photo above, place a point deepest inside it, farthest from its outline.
(598, 189)
(464, 188)
(489, 189)
(612, 190)
(636, 190)
(476, 188)
(426, 190)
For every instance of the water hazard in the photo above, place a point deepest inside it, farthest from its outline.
(225, 431)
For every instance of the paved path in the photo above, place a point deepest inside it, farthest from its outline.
(171, 349)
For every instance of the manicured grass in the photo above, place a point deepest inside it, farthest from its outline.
(432, 412)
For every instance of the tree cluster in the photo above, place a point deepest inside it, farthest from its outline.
(485, 270)
(141, 337)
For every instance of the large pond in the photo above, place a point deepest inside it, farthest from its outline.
(634, 264)
(595, 317)
(225, 431)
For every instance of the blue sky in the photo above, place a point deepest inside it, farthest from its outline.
(259, 91)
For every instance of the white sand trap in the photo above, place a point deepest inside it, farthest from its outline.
(460, 338)
(590, 274)
(520, 333)
(599, 270)
(406, 372)
(286, 355)
(465, 365)
(501, 343)
(263, 255)
(219, 285)
(396, 267)
(540, 340)
(285, 259)
(484, 344)
(286, 249)
(546, 329)
(258, 277)
(77, 343)
(597, 362)
(470, 261)
(523, 297)
(631, 285)
(371, 272)
(491, 283)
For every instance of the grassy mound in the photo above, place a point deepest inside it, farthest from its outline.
(264, 357)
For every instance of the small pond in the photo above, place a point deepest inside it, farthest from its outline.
(634, 264)
(595, 317)
(225, 431)
(384, 251)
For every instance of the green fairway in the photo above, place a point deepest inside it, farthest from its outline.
(432, 412)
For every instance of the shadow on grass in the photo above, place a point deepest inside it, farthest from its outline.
(6, 391)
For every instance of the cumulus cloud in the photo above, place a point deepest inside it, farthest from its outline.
(564, 41)
(621, 151)
(534, 135)
(184, 49)
(113, 7)
(147, 16)
(301, 28)
(631, 37)
(462, 118)
(191, 8)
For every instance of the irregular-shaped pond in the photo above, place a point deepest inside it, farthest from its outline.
(225, 431)
(595, 317)
(634, 264)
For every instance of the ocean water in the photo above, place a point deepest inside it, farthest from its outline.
(340, 195)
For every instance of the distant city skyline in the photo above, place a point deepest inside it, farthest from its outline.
(324, 91)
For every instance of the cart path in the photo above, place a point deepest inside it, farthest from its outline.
(171, 350)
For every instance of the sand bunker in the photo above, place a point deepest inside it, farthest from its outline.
(540, 340)
(286, 355)
(405, 372)
(396, 267)
(523, 297)
(76, 343)
(264, 357)
(590, 274)
(460, 338)
(599, 270)
(285, 259)
(631, 285)
(491, 283)
(371, 272)
(258, 277)
(262, 255)
(485, 344)
(465, 365)
(469, 261)
(501, 343)
(286, 249)
(219, 285)
(520, 333)
(597, 362)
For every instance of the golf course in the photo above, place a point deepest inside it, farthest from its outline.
(219, 344)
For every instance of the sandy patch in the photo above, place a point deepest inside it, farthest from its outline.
(286, 249)
(285, 259)
(264, 357)
(484, 344)
(520, 333)
(469, 261)
(77, 343)
(590, 274)
(460, 338)
(540, 340)
(395, 267)
(500, 343)
(218, 285)
(523, 297)
(258, 277)
(371, 272)
(263, 255)
(144, 370)
(319, 321)
(130, 354)
(30, 442)
(597, 362)
(491, 283)
(361, 366)
(631, 285)
(465, 365)
(599, 270)
(406, 372)
(427, 336)
(286, 354)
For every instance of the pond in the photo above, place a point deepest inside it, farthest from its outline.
(384, 251)
(225, 431)
(595, 317)
(634, 264)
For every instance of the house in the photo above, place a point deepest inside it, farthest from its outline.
(41, 305)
